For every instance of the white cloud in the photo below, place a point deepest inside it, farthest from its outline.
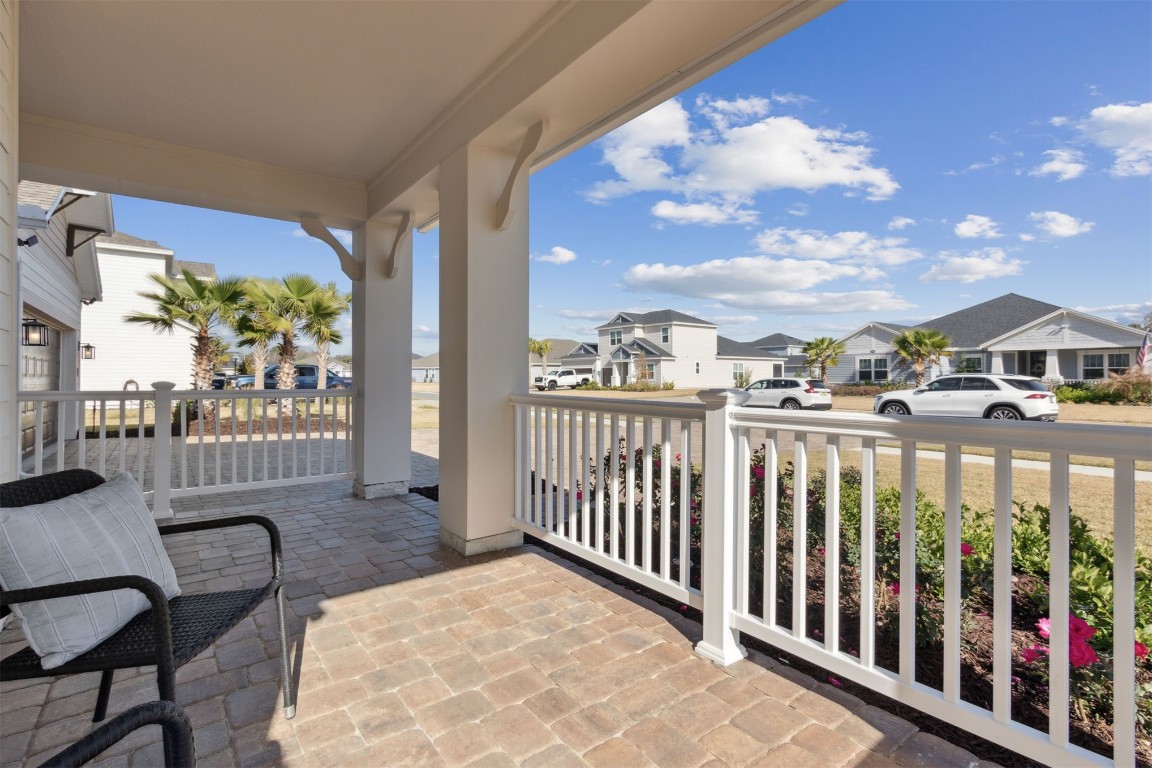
(343, 236)
(849, 247)
(424, 332)
(1056, 224)
(708, 214)
(1058, 121)
(901, 222)
(600, 315)
(1026, 237)
(977, 265)
(734, 319)
(1121, 313)
(602, 262)
(1064, 164)
(558, 255)
(799, 209)
(298, 232)
(1126, 131)
(977, 226)
(740, 154)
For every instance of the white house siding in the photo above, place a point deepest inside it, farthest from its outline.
(692, 345)
(48, 277)
(126, 351)
(1080, 333)
(9, 320)
(860, 345)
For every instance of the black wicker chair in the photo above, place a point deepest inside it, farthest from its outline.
(178, 741)
(172, 632)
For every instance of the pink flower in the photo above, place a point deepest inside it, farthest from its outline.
(894, 588)
(1078, 629)
(821, 551)
(1141, 650)
(1045, 627)
(1029, 655)
(966, 548)
(897, 535)
(677, 457)
(759, 472)
(834, 681)
(579, 495)
(1081, 654)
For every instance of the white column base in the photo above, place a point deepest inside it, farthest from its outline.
(164, 516)
(730, 654)
(468, 547)
(379, 490)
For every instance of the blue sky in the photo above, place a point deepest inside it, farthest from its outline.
(888, 161)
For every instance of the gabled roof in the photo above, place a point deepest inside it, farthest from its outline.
(895, 328)
(778, 340)
(975, 326)
(726, 347)
(583, 349)
(201, 269)
(640, 347)
(125, 239)
(656, 317)
(428, 361)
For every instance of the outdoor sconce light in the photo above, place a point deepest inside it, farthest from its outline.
(87, 351)
(32, 240)
(35, 333)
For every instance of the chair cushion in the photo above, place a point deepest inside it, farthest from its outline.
(101, 532)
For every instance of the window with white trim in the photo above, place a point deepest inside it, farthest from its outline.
(615, 337)
(873, 369)
(737, 371)
(665, 334)
(1092, 364)
(1118, 362)
(650, 373)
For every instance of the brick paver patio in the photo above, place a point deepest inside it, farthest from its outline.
(409, 654)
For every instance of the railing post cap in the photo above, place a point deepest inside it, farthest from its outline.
(714, 399)
(163, 385)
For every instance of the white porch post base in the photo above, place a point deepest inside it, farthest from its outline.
(997, 362)
(493, 543)
(379, 490)
(721, 641)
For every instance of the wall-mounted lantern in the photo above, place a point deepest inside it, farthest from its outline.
(87, 351)
(35, 333)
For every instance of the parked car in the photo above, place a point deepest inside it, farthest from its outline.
(987, 395)
(565, 377)
(790, 393)
(306, 378)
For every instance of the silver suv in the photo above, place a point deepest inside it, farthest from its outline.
(985, 395)
(790, 393)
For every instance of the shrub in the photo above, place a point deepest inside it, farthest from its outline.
(668, 385)
(863, 389)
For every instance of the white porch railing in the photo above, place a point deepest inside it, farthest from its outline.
(599, 511)
(247, 438)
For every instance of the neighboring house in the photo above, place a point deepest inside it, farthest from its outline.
(669, 346)
(427, 368)
(56, 273)
(129, 355)
(559, 357)
(788, 347)
(334, 365)
(1009, 334)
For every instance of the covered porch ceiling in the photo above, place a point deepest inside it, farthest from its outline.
(345, 110)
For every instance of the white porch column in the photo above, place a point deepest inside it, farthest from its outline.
(997, 362)
(483, 337)
(382, 364)
(1052, 365)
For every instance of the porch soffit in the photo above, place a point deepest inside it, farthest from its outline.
(346, 110)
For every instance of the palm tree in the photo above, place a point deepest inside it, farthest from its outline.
(921, 347)
(540, 348)
(202, 304)
(321, 313)
(293, 294)
(821, 353)
(256, 325)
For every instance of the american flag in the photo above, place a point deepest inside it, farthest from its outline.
(1142, 355)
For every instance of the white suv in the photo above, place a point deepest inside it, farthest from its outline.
(986, 395)
(791, 394)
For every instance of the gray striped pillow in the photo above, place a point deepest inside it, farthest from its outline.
(104, 531)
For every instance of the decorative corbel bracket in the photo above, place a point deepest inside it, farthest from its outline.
(528, 149)
(405, 231)
(348, 265)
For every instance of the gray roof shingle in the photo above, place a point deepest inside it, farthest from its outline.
(123, 238)
(969, 328)
(655, 317)
(778, 340)
(726, 347)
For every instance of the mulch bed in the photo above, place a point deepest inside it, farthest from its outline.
(287, 423)
(1029, 705)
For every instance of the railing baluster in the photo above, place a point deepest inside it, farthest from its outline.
(518, 457)
(140, 450)
(1002, 588)
(952, 519)
(38, 437)
(800, 537)
(586, 493)
(601, 481)
(771, 520)
(104, 437)
(832, 545)
(868, 552)
(1124, 612)
(536, 476)
(61, 420)
(614, 469)
(264, 458)
(686, 492)
(280, 431)
(743, 517)
(907, 562)
(82, 448)
(308, 439)
(665, 499)
(1058, 575)
(234, 429)
(560, 473)
(200, 468)
(573, 467)
(215, 430)
(646, 534)
(122, 440)
(184, 445)
(630, 491)
(544, 472)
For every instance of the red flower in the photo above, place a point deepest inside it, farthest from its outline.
(894, 588)
(1029, 655)
(759, 472)
(1078, 629)
(1141, 650)
(1081, 654)
(966, 548)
